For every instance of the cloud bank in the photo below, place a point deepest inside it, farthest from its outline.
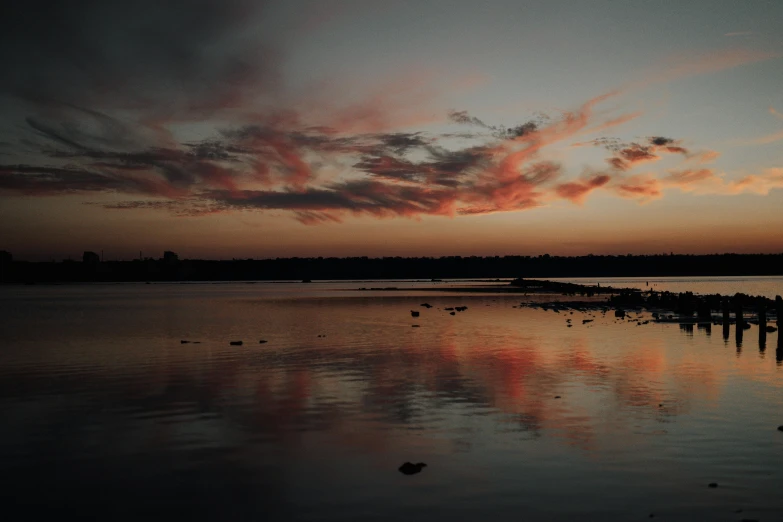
(106, 89)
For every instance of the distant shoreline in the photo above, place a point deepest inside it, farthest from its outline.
(171, 268)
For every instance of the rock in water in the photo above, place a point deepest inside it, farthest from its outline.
(410, 468)
(712, 485)
(235, 343)
(262, 341)
(414, 313)
(619, 313)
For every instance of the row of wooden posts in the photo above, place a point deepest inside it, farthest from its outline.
(762, 320)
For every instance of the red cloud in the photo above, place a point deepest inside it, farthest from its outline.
(576, 191)
(279, 164)
(688, 177)
(639, 187)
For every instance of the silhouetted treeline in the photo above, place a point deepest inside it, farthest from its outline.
(173, 269)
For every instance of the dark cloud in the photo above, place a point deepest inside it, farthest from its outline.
(441, 167)
(48, 180)
(69, 127)
(359, 197)
(211, 150)
(390, 168)
(522, 130)
(178, 168)
(500, 132)
(180, 56)
(628, 154)
(186, 207)
(402, 142)
(660, 141)
(463, 118)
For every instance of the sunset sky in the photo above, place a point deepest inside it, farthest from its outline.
(223, 129)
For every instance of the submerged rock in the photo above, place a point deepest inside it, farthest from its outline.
(426, 305)
(712, 485)
(184, 342)
(414, 313)
(262, 341)
(452, 313)
(235, 343)
(410, 468)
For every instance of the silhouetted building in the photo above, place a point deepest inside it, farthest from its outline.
(91, 258)
(170, 257)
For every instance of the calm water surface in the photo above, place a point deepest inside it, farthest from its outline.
(107, 415)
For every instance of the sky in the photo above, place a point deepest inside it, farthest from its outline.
(236, 128)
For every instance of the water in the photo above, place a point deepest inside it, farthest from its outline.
(107, 415)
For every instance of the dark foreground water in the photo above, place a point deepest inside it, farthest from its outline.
(106, 415)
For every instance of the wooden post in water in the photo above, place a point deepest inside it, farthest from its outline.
(762, 323)
(704, 311)
(726, 319)
(779, 321)
(739, 322)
